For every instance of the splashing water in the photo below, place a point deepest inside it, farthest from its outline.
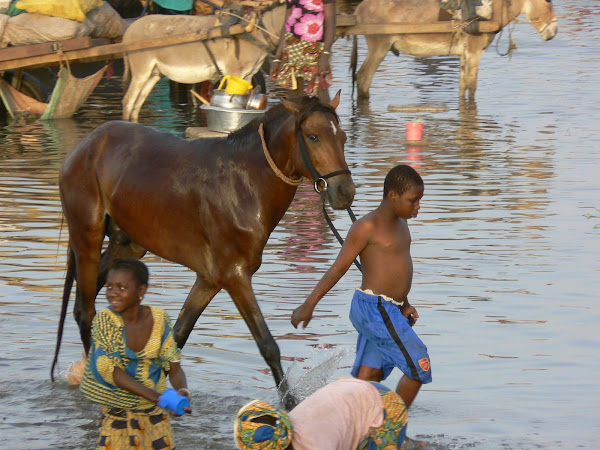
(303, 383)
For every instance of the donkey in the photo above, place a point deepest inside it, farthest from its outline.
(469, 47)
(240, 55)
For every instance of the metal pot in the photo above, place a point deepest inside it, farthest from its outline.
(226, 120)
(257, 101)
(221, 99)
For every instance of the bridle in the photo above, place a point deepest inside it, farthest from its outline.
(316, 178)
(322, 178)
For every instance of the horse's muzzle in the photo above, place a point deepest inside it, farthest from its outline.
(341, 194)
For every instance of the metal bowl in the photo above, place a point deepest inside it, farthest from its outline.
(227, 120)
(222, 99)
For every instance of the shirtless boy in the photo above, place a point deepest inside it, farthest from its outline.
(380, 309)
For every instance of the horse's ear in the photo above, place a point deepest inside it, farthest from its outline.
(291, 106)
(335, 101)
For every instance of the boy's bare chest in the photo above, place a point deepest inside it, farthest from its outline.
(394, 239)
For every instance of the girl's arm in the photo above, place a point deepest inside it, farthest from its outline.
(130, 384)
(178, 379)
(179, 382)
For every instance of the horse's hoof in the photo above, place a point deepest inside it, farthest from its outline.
(289, 401)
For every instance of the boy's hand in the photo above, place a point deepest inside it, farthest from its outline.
(302, 314)
(407, 309)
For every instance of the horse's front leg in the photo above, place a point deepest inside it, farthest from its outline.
(197, 300)
(242, 294)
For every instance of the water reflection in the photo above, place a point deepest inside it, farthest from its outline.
(304, 231)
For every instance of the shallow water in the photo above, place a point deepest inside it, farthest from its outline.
(506, 251)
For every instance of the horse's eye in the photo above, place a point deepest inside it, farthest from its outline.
(313, 138)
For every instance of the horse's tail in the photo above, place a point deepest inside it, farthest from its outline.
(354, 62)
(69, 277)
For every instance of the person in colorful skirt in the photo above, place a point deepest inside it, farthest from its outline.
(347, 414)
(133, 349)
(302, 60)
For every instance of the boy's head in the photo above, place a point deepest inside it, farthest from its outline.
(401, 179)
(137, 268)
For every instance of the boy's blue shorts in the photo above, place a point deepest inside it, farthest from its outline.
(386, 340)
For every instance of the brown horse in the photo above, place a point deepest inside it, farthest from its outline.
(469, 47)
(209, 204)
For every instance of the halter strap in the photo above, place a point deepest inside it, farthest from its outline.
(279, 173)
(303, 150)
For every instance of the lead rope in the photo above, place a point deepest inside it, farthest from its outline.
(332, 226)
(317, 179)
(279, 173)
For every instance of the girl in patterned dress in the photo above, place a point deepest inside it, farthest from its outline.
(302, 60)
(133, 349)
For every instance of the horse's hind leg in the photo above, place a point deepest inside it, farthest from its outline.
(195, 303)
(87, 252)
(242, 294)
(378, 48)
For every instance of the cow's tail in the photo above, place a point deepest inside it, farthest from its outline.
(354, 62)
(69, 277)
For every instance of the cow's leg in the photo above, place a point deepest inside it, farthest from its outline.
(195, 303)
(143, 94)
(242, 294)
(378, 48)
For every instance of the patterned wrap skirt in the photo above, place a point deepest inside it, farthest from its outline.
(300, 60)
(391, 434)
(135, 429)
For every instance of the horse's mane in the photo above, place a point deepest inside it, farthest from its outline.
(248, 134)
(273, 117)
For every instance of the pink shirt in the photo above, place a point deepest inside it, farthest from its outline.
(337, 416)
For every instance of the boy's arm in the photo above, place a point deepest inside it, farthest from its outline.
(356, 241)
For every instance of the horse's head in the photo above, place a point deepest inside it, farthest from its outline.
(541, 15)
(320, 142)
